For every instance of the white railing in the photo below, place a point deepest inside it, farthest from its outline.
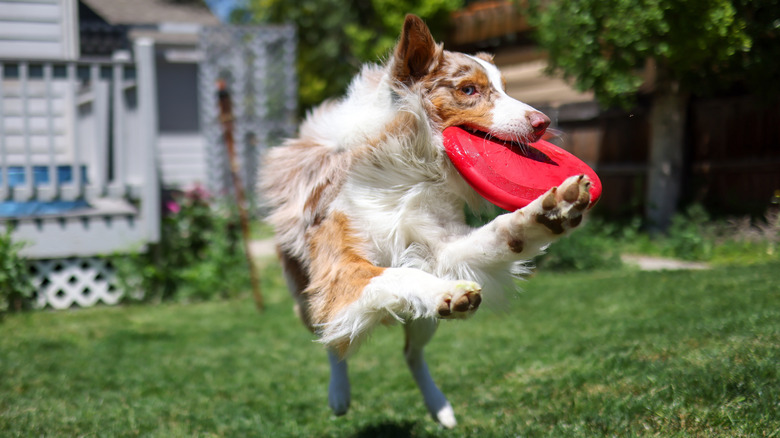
(78, 174)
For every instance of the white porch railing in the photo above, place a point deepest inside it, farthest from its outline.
(78, 173)
(77, 143)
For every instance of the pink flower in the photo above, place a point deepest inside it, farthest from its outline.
(172, 207)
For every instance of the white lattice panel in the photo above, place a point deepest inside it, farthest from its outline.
(82, 281)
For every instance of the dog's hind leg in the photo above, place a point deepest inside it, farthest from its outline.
(338, 390)
(418, 333)
(405, 294)
(348, 295)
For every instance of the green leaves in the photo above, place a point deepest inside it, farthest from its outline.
(603, 45)
(199, 256)
(336, 38)
(15, 281)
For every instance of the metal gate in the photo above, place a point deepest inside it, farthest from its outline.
(258, 66)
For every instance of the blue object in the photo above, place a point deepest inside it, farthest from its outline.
(35, 208)
(17, 176)
(41, 177)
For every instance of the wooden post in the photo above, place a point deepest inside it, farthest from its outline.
(226, 119)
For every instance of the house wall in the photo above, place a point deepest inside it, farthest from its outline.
(44, 29)
(182, 159)
(181, 147)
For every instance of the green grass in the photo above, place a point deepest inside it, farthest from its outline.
(618, 353)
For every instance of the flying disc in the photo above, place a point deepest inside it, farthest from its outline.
(509, 174)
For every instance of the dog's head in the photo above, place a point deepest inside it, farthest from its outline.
(462, 90)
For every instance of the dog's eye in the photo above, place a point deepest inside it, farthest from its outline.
(469, 90)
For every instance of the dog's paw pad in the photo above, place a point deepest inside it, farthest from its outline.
(562, 206)
(461, 302)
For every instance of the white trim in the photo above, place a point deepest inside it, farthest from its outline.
(70, 29)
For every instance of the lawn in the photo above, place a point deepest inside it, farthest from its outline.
(608, 353)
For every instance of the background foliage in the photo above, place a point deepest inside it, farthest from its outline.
(705, 46)
(15, 282)
(199, 255)
(336, 37)
(692, 236)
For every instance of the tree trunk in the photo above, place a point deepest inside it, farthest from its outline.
(664, 179)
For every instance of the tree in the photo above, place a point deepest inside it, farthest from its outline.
(335, 37)
(695, 47)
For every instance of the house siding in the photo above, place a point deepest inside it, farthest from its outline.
(39, 29)
(182, 159)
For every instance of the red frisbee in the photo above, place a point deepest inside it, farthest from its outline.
(511, 175)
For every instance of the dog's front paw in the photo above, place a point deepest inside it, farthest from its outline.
(461, 301)
(561, 207)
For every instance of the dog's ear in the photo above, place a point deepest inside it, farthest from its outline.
(415, 53)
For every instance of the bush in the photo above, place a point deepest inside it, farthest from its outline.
(199, 256)
(591, 246)
(745, 240)
(16, 289)
(691, 235)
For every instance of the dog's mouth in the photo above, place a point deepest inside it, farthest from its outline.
(517, 143)
(518, 146)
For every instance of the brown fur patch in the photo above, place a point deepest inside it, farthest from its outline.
(516, 245)
(300, 180)
(314, 198)
(441, 77)
(338, 271)
(449, 104)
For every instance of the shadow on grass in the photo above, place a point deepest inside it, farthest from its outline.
(387, 430)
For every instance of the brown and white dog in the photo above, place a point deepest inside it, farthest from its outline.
(369, 211)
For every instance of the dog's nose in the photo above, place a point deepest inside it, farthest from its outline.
(539, 122)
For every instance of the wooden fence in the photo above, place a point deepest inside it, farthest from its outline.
(732, 157)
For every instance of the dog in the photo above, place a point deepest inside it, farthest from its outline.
(368, 211)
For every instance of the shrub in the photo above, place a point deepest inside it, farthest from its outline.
(16, 289)
(199, 255)
(745, 240)
(691, 235)
(591, 246)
